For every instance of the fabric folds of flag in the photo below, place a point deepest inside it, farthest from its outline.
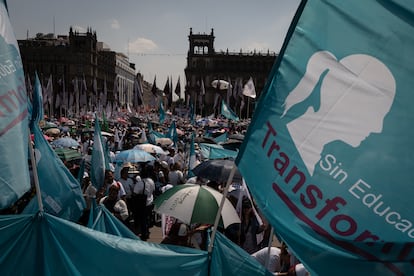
(177, 91)
(192, 158)
(60, 191)
(98, 163)
(161, 112)
(192, 113)
(172, 133)
(154, 91)
(138, 96)
(227, 112)
(14, 130)
(249, 90)
(167, 92)
(331, 134)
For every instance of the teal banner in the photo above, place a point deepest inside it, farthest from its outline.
(329, 153)
(14, 128)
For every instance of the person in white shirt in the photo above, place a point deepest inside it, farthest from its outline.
(128, 185)
(115, 205)
(175, 176)
(273, 258)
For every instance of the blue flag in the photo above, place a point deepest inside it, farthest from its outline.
(151, 136)
(98, 162)
(161, 113)
(213, 151)
(101, 219)
(227, 112)
(331, 139)
(14, 131)
(60, 191)
(221, 138)
(192, 114)
(172, 133)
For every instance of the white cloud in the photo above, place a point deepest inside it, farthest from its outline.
(115, 24)
(142, 45)
(79, 29)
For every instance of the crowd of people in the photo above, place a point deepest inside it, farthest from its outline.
(129, 190)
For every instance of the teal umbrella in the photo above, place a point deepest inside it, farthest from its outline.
(133, 156)
(193, 203)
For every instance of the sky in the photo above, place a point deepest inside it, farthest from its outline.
(154, 33)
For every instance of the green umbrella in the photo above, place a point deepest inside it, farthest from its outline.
(193, 203)
(67, 154)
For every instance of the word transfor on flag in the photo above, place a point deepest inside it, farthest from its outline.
(328, 153)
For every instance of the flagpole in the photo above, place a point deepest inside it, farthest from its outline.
(195, 106)
(218, 215)
(35, 176)
(269, 245)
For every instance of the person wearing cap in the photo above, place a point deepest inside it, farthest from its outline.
(114, 204)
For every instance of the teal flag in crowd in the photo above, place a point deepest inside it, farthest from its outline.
(221, 138)
(213, 151)
(192, 114)
(151, 136)
(227, 112)
(102, 220)
(14, 130)
(192, 162)
(329, 153)
(36, 107)
(98, 162)
(60, 191)
(172, 133)
(161, 113)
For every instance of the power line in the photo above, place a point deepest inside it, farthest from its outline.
(157, 54)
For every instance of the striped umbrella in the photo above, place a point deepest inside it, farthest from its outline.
(193, 203)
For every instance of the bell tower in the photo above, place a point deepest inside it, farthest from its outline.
(201, 44)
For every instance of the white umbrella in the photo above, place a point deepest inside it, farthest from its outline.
(164, 141)
(150, 148)
(65, 142)
(222, 84)
(193, 203)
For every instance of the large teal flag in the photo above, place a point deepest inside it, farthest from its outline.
(60, 191)
(329, 153)
(14, 130)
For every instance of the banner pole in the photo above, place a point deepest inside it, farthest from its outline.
(35, 176)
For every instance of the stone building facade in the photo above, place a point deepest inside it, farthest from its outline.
(205, 64)
(78, 57)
